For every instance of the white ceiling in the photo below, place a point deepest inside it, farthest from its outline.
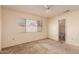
(41, 11)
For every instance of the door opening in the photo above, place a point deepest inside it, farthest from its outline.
(61, 24)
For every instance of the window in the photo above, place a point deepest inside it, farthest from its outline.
(29, 25)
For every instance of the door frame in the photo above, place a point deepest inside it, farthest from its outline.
(64, 35)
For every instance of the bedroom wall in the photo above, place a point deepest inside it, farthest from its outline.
(0, 26)
(11, 34)
(53, 29)
(72, 27)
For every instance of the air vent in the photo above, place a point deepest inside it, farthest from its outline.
(66, 11)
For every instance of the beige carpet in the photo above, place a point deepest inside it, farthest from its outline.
(45, 46)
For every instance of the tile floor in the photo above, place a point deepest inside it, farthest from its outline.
(45, 46)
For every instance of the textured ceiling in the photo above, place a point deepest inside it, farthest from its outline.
(40, 10)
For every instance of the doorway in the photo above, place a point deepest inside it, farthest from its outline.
(61, 24)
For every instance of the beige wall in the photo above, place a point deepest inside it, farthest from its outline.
(0, 26)
(11, 34)
(72, 27)
(53, 29)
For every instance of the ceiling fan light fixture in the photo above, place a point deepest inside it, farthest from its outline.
(46, 6)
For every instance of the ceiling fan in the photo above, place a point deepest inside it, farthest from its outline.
(47, 7)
